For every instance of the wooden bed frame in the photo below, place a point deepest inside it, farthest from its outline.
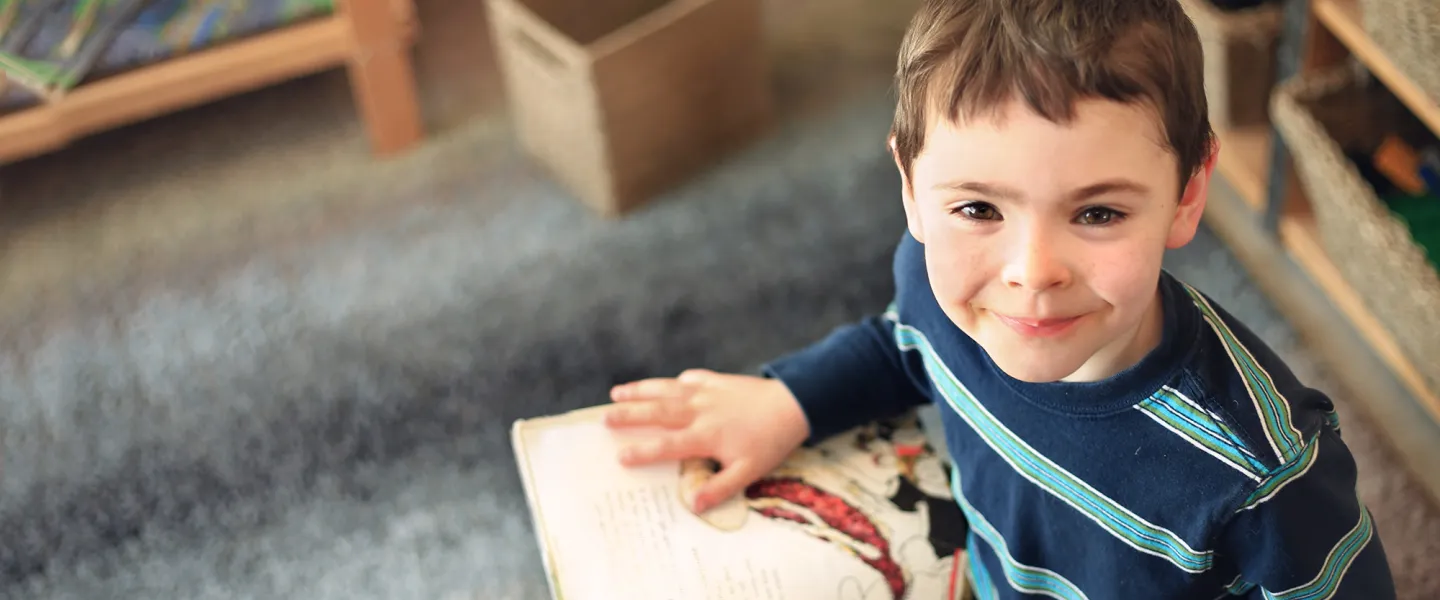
(372, 38)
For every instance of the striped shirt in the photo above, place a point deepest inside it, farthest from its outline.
(1205, 471)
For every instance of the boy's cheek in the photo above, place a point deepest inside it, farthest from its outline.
(1127, 281)
(956, 256)
(957, 283)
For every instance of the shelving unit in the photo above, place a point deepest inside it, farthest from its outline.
(1245, 162)
(1324, 33)
(370, 37)
(1341, 20)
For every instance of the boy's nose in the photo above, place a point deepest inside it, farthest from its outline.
(1035, 264)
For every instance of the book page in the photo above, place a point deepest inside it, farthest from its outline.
(835, 522)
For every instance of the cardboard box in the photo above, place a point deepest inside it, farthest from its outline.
(623, 99)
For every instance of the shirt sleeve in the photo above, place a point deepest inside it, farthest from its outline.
(1304, 533)
(855, 375)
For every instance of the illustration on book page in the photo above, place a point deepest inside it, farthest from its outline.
(879, 493)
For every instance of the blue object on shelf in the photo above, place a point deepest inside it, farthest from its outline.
(1430, 169)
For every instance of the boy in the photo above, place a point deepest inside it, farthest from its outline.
(1115, 434)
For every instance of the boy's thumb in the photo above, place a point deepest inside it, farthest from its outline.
(724, 485)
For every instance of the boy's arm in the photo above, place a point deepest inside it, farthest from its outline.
(1304, 533)
(853, 376)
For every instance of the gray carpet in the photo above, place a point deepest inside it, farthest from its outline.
(332, 424)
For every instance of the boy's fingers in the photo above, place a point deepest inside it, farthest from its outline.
(676, 446)
(660, 414)
(694, 376)
(659, 388)
(724, 484)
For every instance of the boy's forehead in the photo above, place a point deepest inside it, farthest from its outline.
(1104, 139)
(1135, 120)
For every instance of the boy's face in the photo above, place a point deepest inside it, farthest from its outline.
(1044, 241)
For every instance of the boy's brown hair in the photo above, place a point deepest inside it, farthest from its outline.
(960, 58)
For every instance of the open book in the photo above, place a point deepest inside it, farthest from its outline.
(865, 515)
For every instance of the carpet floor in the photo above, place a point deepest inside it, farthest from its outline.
(330, 420)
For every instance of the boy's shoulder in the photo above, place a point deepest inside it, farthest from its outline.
(1299, 524)
(1250, 391)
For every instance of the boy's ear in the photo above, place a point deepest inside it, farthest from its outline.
(1192, 201)
(907, 195)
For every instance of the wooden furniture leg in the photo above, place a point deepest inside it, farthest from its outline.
(381, 75)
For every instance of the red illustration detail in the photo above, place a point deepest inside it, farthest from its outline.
(837, 514)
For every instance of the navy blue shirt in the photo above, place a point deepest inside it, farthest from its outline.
(1204, 471)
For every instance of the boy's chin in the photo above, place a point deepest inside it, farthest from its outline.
(1032, 367)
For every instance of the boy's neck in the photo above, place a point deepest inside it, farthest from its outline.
(1129, 349)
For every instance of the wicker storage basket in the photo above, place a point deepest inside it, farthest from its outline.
(1408, 31)
(1239, 60)
(1320, 117)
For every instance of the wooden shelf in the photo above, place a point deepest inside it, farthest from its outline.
(1340, 34)
(1245, 162)
(1343, 19)
(177, 83)
(1300, 236)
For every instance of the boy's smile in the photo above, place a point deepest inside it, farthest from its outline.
(1043, 327)
(1044, 241)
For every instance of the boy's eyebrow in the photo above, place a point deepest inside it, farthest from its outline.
(1111, 186)
(984, 189)
(991, 190)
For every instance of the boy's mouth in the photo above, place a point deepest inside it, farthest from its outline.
(1042, 327)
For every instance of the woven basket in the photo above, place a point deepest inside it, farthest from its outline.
(1408, 31)
(1319, 116)
(1239, 60)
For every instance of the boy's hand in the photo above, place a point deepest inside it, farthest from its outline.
(748, 424)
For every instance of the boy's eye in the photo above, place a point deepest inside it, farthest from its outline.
(978, 211)
(1098, 215)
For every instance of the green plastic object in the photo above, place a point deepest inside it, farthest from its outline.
(1421, 214)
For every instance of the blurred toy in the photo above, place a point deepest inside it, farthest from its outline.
(1400, 163)
(1430, 169)
(1421, 215)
